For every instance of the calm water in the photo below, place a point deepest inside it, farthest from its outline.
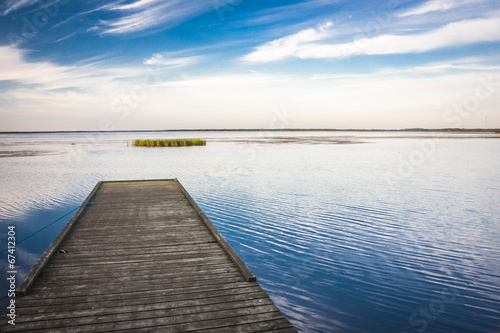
(391, 233)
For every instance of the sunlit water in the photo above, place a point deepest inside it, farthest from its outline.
(392, 233)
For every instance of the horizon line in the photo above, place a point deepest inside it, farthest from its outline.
(451, 129)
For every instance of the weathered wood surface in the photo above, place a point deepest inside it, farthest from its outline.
(142, 258)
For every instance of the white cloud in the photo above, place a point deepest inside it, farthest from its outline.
(451, 7)
(142, 15)
(429, 6)
(287, 12)
(137, 4)
(453, 34)
(13, 5)
(49, 76)
(14, 68)
(51, 102)
(290, 45)
(478, 65)
(169, 61)
(246, 80)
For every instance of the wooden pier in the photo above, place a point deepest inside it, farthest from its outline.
(142, 257)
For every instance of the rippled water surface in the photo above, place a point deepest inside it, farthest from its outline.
(347, 232)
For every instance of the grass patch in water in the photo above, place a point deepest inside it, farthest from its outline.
(169, 143)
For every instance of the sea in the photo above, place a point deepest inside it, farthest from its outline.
(346, 231)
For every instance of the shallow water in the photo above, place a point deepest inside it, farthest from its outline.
(347, 232)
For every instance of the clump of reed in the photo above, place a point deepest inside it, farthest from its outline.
(169, 142)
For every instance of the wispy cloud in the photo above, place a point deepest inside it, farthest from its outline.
(92, 76)
(448, 6)
(74, 33)
(429, 6)
(14, 68)
(142, 15)
(464, 66)
(290, 45)
(168, 60)
(136, 5)
(288, 12)
(305, 43)
(234, 80)
(13, 5)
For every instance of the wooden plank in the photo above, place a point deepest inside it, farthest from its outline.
(52, 300)
(139, 280)
(164, 257)
(41, 292)
(123, 269)
(290, 329)
(70, 260)
(141, 284)
(154, 272)
(225, 316)
(49, 305)
(129, 263)
(267, 325)
(160, 248)
(153, 226)
(104, 247)
(276, 325)
(174, 307)
(144, 239)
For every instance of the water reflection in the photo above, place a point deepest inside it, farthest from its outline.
(334, 245)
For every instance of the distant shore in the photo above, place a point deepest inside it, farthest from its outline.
(447, 130)
(260, 137)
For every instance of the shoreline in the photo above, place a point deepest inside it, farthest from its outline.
(269, 140)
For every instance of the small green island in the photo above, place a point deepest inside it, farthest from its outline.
(169, 142)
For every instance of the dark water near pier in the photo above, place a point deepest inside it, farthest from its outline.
(347, 232)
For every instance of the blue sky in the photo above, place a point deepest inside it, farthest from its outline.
(178, 64)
